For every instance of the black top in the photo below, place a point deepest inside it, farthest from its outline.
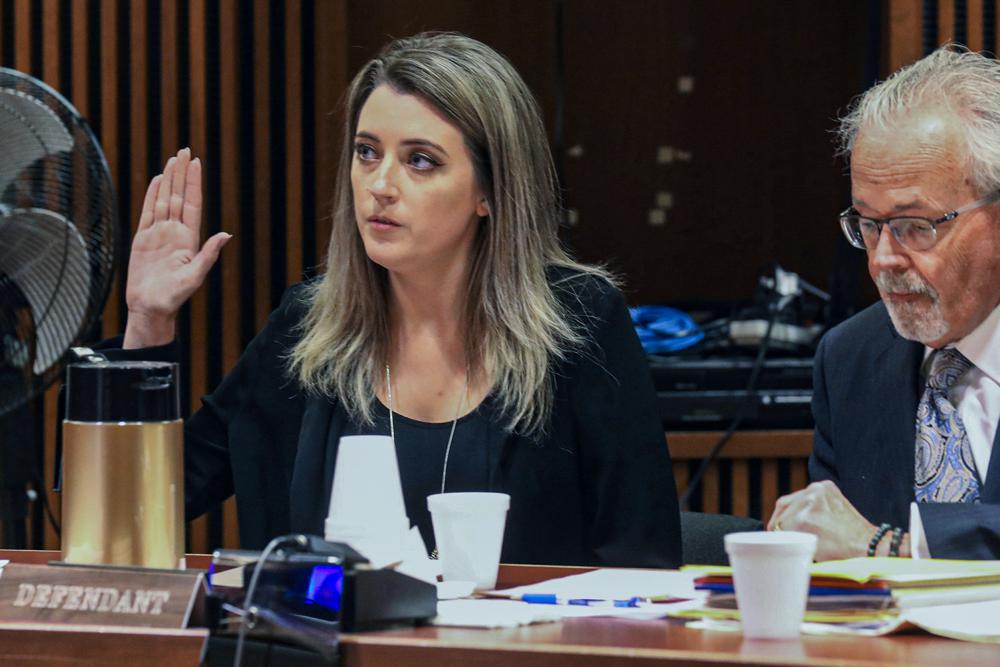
(595, 489)
(420, 451)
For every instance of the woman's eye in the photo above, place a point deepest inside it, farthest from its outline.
(365, 151)
(423, 161)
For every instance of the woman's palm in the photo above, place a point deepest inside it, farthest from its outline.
(166, 265)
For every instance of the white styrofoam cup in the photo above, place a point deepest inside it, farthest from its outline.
(468, 529)
(771, 578)
(366, 501)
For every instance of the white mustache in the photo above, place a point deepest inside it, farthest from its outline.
(904, 282)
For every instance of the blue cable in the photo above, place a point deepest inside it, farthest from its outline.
(662, 329)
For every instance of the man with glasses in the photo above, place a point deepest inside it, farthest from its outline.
(907, 392)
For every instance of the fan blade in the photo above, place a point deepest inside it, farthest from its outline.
(29, 131)
(43, 253)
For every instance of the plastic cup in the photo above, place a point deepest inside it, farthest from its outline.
(771, 578)
(468, 529)
(366, 487)
(366, 502)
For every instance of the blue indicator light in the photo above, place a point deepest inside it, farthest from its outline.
(326, 584)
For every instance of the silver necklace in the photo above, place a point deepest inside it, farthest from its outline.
(454, 422)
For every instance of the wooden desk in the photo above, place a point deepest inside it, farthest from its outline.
(44, 644)
(582, 642)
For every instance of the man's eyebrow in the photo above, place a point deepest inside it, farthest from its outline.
(898, 208)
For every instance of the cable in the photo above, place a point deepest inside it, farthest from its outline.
(249, 612)
(751, 395)
(662, 329)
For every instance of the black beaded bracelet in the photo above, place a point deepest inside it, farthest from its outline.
(897, 538)
(877, 537)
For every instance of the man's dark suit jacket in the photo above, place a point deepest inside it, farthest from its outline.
(866, 386)
(598, 488)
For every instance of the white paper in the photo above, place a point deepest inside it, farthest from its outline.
(974, 621)
(231, 578)
(616, 584)
(492, 613)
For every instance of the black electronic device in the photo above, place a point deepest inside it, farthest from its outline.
(308, 594)
(707, 394)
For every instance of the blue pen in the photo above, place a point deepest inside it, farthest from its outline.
(542, 598)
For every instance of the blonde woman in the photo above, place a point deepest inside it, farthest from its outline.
(448, 316)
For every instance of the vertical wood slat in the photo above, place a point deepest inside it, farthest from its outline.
(79, 62)
(741, 488)
(905, 21)
(293, 139)
(22, 35)
(230, 166)
(330, 27)
(262, 162)
(768, 486)
(974, 23)
(169, 86)
(996, 27)
(710, 489)
(799, 475)
(946, 21)
(199, 305)
(51, 414)
(51, 46)
(111, 323)
(138, 117)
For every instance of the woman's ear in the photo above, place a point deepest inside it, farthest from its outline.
(482, 208)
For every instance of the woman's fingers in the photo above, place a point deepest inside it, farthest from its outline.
(161, 210)
(207, 256)
(183, 158)
(146, 217)
(191, 214)
(175, 194)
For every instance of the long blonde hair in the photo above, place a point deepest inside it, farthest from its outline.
(515, 327)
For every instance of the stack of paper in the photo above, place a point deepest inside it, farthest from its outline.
(867, 593)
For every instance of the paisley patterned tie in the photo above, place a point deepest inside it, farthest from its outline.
(945, 469)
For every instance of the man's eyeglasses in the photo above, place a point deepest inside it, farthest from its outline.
(912, 232)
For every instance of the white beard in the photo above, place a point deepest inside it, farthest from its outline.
(913, 320)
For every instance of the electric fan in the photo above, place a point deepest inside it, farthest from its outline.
(57, 234)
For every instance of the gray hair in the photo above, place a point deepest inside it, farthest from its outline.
(515, 326)
(965, 82)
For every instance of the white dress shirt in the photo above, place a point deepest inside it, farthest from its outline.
(977, 396)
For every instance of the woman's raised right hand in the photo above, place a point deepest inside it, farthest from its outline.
(166, 265)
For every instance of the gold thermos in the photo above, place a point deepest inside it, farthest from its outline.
(123, 465)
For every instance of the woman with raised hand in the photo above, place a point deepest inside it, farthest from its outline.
(448, 315)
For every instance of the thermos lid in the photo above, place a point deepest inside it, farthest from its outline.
(122, 391)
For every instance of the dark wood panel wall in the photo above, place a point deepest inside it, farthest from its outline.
(693, 137)
(916, 27)
(250, 86)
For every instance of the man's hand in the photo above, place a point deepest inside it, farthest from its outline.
(822, 509)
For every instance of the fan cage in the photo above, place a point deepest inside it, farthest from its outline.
(58, 234)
